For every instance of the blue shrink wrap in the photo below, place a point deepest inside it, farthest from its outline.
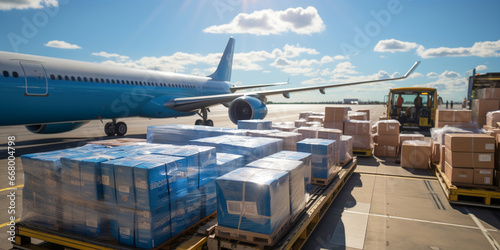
(108, 181)
(126, 226)
(255, 200)
(332, 134)
(252, 148)
(208, 199)
(228, 162)
(255, 124)
(124, 181)
(295, 170)
(185, 211)
(322, 150)
(152, 227)
(298, 156)
(182, 134)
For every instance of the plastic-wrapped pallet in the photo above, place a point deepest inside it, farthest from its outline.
(438, 134)
(261, 133)
(252, 148)
(361, 116)
(290, 139)
(361, 133)
(322, 163)
(300, 123)
(182, 134)
(308, 132)
(298, 156)
(295, 170)
(346, 149)
(304, 115)
(255, 124)
(492, 118)
(253, 200)
(332, 134)
(228, 162)
(285, 126)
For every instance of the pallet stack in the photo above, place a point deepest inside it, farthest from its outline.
(415, 154)
(452, 118)
(361, 134)
(469, 159)
(488, 99)
(335, 117)
(386, 139)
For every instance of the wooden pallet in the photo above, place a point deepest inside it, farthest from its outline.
(322, 181)
(321, 199)
(52, 239)
(362, 152)
(473, 195)
(251, 237)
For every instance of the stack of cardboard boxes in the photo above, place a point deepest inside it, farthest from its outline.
(415, 154)
(469, 159)
(360, 132)
(452, 118)
(335, 117)
(386, 140)
(488, 99)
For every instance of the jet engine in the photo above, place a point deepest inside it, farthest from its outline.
(246, 108)
(54, 128)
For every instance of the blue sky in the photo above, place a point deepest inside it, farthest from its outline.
(312, 42)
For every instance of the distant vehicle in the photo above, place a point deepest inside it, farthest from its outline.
(413, 107)
(479, 81)
(51, 95)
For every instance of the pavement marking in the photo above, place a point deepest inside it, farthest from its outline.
(416, 220)
(399, 176)
(350, 231)
(12, 188)
(488, 236)
(6, 223)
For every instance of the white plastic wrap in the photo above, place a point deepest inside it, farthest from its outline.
(295, 170)
(438, 134)
(182, 134)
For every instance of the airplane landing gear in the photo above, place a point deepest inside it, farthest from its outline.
(205, 121)
(112, 128)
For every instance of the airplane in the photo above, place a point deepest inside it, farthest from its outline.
(51, 95)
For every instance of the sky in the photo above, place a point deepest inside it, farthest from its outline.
(305, 42)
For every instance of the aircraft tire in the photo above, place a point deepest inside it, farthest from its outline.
(109, 129)
(209, 123)
(121, 129)
(198, 122)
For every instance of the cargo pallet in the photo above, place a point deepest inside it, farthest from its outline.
(362, 152)
(473, 195)
(59, 240)
(320, 200)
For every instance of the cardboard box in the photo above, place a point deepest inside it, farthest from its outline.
(470, 143)
(228, 162)
(440, 124)
(488, 93)
(479, 120)
(316, 118)
(442, 157)
(483, 176)
(362, 142)
(385, 150)
(492, 118)
(391, 140)
(459, 175)
(336, 114)
(308, 132)
(360, 116)
(334, 125)
(346, 149)
(388, 127)
(298, 156)
(295, 170)
(453, 115)
(481, 107)
(152, 227)
(323, 160)
(367, 111)
(266, 197)
(355, 127)
(415, 154)
(470, 160)
(435, 152)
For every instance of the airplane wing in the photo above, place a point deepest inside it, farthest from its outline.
(193, 103)
(236, 88)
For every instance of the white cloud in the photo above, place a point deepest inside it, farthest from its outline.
(314, 81)
(339, 57)
(480, 49)
(271, 22)
(393, 45)
(110, 55)
(481, 67)
(449, 74)
(27, 4)
(432, 75)
(61, 45)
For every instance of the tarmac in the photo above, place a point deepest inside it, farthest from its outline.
(382, 206)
